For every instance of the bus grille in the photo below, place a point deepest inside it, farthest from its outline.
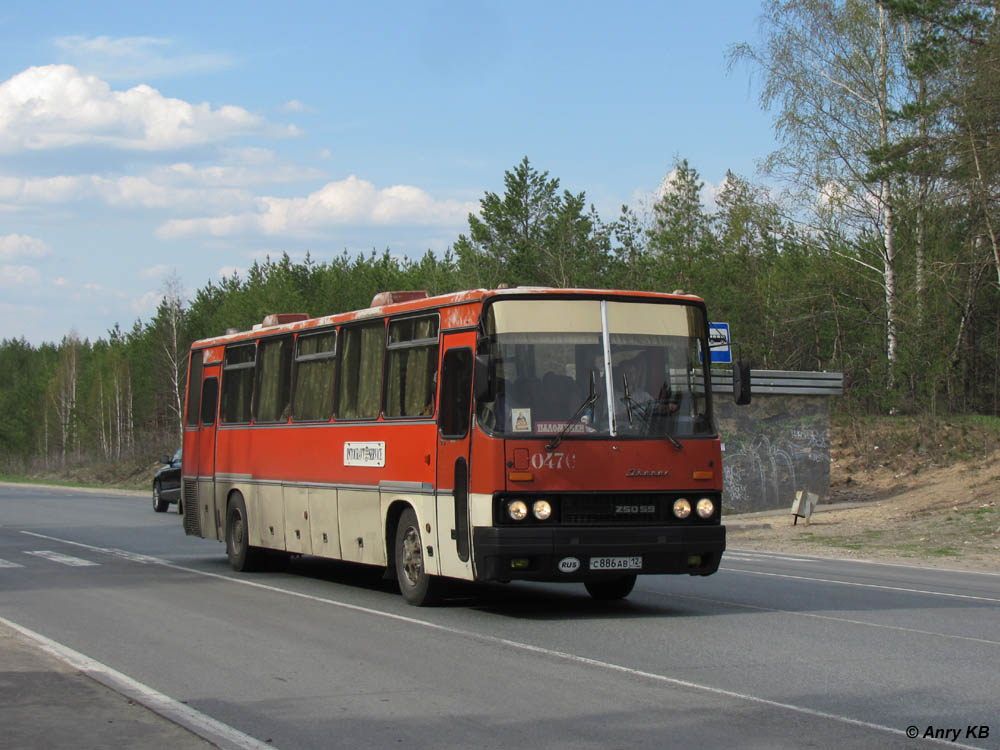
(192, 518)
(639, 509)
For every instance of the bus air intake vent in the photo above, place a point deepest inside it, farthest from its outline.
(278, 319)
(391, 298)
(192, 519)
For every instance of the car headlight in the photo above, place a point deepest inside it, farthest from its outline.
(542, 509)
(705, 507)
(682, 508)
(517, 510)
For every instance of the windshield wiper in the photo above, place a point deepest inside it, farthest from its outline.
(590, 401)
(627, 398)
(647, 415)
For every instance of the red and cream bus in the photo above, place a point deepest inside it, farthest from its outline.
(486, 435)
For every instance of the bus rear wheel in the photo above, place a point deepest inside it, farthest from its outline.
(608, 589)
(417, 586)
(242, 557)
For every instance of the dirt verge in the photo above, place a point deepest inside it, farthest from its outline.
(896, 505)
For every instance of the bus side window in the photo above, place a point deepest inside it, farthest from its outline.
(272, 392)
(359, 387)
(237, 383)
(194, 389)
(209, 395)
(456, 390)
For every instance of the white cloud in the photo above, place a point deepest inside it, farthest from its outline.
(128, 191)
(642, 201)
(13, 276)
(137, 57)
(55, 106)
(154, 272)
(144, 192)
(294, 105)
(230, 271)
(344, 203)
(40, 189)
(145, 304)
(244, 175)
(13, 246)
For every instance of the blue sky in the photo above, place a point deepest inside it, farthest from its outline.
(141, 141)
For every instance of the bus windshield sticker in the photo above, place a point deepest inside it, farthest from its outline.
(364, 454)
(521, 419)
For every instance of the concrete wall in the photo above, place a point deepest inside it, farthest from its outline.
(780, 442)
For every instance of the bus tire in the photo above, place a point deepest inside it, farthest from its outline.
(609, 589)
(242, 557)
(416, 585)
(159, 505)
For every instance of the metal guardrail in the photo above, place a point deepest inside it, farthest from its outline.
(783, 382)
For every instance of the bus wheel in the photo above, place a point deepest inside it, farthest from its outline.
(159, 505)
(242, 557)
(416, 585)
(610, 588)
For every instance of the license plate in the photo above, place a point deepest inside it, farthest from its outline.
(633, 562)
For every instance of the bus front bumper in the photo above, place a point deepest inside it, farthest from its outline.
(588, 553)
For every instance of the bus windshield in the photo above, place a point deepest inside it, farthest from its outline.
(596, 368)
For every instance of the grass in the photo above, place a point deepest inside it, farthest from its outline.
(55, 482)
(911, 443)
(868, 540)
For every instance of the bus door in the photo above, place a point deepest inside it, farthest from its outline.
(453, 438)
(206, 454)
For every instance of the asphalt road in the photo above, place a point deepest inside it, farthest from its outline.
(773, 651)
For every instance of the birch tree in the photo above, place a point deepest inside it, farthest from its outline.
(835, 72)
(168, 328)
(62, 391)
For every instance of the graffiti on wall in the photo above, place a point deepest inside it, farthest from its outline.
(772, 453)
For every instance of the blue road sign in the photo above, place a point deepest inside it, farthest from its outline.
(718, 341)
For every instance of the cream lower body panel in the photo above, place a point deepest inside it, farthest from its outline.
(480, 514)
(340, 523)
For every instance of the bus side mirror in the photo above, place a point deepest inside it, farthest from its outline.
(741, 382)
(481, 380)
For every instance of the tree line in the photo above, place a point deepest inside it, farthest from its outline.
(871, 249)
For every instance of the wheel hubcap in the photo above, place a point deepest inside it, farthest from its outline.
(236, 530)
(413, 561)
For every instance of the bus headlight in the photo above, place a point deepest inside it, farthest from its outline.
(517, 510)
(705, 507)
(682, 508)
(541, 509)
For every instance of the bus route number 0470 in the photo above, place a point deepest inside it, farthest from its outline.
(557, 461)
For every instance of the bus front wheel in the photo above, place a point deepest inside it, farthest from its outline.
(416, 585)
(608, 589)
(242, 557)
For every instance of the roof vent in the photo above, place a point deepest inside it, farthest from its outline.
(391, 298)
(277, 319)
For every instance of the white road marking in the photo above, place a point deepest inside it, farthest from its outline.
(8, 564)
(813, 615)
(564, 656)
(222, 735)
(749, 556)
(58, 557)
(862, 585)
(124, 554)
(552, 653)
(852, 560)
